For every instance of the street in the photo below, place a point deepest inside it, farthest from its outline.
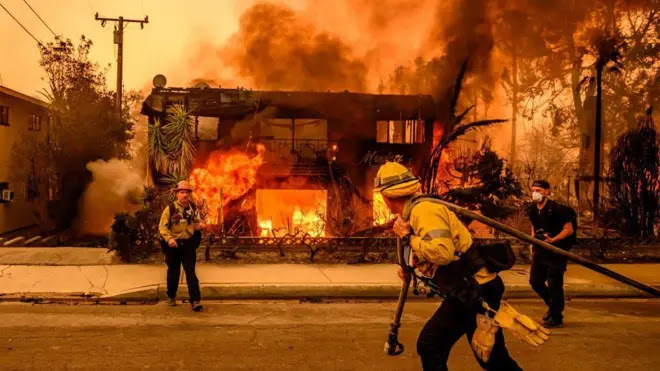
(338, 335)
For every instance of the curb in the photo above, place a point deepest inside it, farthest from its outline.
(156, 292)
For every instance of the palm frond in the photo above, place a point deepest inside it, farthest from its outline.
(179, 133)
(158, 148)
(464, 129)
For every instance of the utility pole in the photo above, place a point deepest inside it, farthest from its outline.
(119, 40)
(514, 99)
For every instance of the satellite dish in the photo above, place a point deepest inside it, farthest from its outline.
(201, 85)
(159, 81)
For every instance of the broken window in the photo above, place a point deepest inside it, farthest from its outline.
(207, 128)
(308, 137)
(395, 131)
(382, 130)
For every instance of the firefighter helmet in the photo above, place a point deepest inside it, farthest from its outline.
(395, 180)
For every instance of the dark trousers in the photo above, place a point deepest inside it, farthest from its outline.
(185, 254)
(552, 293)
(454, 319)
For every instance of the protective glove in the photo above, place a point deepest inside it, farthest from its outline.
(483, 338)
(523, 327)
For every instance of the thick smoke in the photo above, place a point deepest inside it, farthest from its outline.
(116, 186)
(276, 49)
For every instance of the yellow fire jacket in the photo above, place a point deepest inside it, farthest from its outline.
(180, 228)
(438, 238)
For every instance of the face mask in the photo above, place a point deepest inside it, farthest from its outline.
(537, 197)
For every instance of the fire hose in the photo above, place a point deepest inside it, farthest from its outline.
(393, 347)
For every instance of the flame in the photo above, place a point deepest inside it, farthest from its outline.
(291, 211)
(381, 213)
(233, 172)
(266, 227)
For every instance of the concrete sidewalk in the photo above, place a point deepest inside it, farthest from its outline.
(144, 283)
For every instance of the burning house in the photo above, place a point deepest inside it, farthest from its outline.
(295, 161)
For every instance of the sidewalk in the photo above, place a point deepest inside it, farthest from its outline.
(145, 283)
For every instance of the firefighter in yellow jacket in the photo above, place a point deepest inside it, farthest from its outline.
(180, 228)
(438, 238)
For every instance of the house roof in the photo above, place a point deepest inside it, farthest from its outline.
(21, 96)
(239, 103)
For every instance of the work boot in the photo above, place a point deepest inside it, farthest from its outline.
(171, 302)
(196, 306)
(553, 323)
(547, 316)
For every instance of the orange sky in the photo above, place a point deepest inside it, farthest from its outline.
(175, 31)
(159, 48)
(180, 31)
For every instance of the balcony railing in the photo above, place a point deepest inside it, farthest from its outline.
(304, 147)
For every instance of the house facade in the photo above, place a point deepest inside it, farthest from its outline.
(314, 141)
(24, 123)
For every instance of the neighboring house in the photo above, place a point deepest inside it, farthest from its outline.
(23, 119)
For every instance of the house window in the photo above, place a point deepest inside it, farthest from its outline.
(35, 123)
(4, 115)
(406, 131)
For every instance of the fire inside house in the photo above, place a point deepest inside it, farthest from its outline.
(289, 162)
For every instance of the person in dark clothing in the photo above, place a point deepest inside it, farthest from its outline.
(180, 227)
(551, 222)
(454, 319)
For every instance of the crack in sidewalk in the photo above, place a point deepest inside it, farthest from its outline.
(92, 286)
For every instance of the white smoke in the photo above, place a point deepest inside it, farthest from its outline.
(116, 186)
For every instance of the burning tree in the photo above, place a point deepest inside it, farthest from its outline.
(490, 181)
(634, 187)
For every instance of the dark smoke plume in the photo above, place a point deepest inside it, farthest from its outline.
(276, 49)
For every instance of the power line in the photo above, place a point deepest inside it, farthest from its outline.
(23, 27)
(42, 21)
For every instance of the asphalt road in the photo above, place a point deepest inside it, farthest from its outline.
(599, 335)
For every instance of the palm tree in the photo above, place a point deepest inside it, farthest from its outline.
(158, 148)
(454, 129)
(180, 148)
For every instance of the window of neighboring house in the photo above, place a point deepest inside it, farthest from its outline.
(3, 186)
(4, 115)
(407, 131)
(35, 123)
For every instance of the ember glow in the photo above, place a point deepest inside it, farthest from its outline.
(234, 172)
(296, 212)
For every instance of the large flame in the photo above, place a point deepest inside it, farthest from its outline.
(291, 211)
(233, 172)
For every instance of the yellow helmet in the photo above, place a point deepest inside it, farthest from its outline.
(395, 180)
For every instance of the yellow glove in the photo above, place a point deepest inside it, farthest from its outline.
(483, 338)
(523, 327)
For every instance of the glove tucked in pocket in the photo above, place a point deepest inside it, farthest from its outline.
(483, 338)
(522, 327)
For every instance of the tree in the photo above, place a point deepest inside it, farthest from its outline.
(607, 50)
(84, 124)
(634, 188)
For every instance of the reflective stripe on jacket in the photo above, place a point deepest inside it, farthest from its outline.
(439, 237)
